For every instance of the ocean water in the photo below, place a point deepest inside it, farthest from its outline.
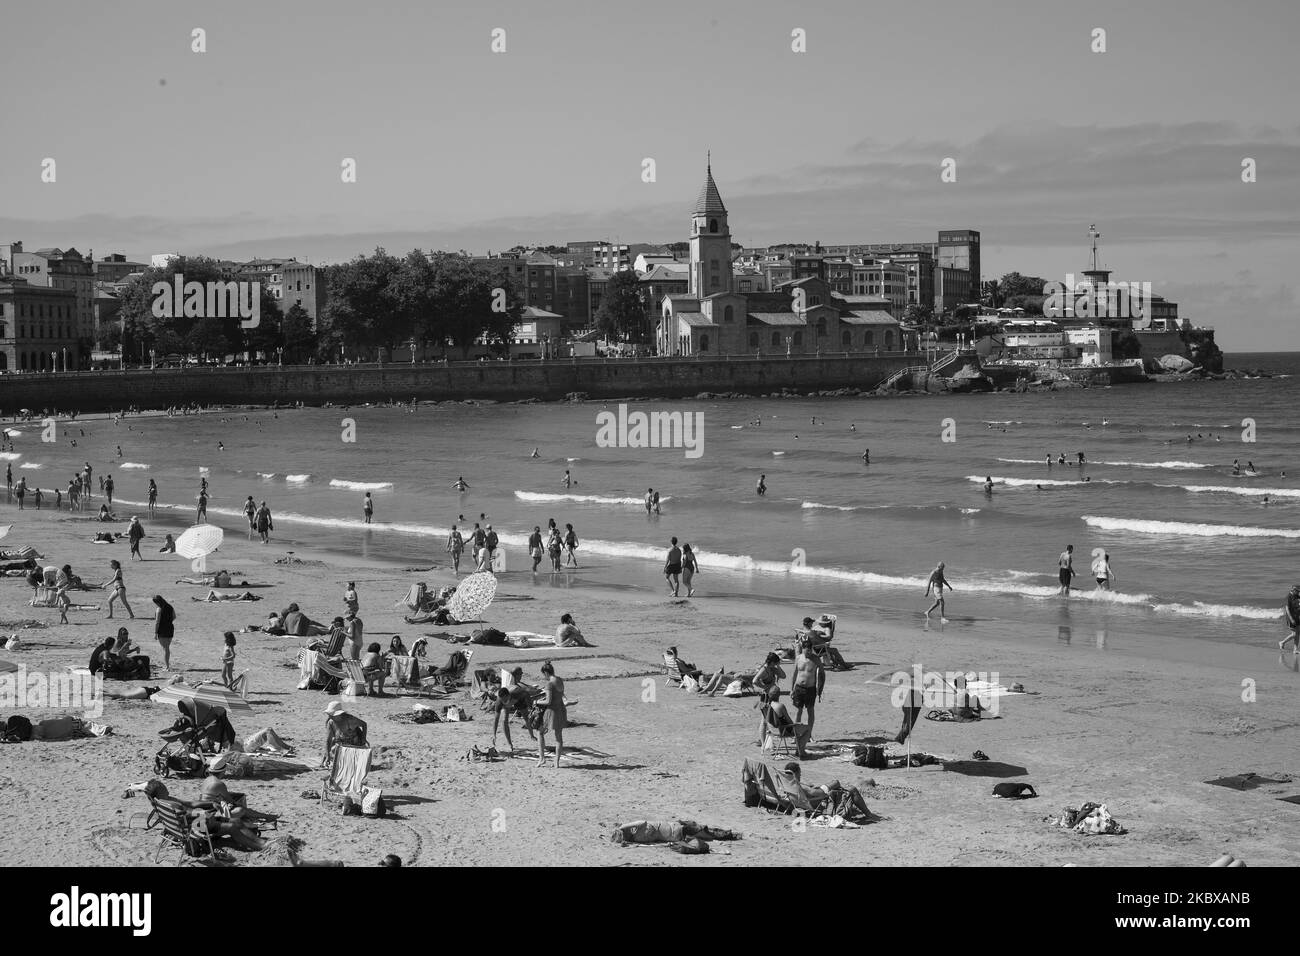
(1197, 553)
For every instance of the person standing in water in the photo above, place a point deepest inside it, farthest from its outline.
(455, 547)
(649, 499)
(108, 489)
(988, 485)
(250, 512)
(368, 507)
(1101, 571)
(570, 545)
(535, 546)
(461, 485)
(153, 498)
(264, 524)
(1065, 569)
(567, 480)
(673, 568)
(689, 568)
(761, 487)
(866, 457)
(937, 582)
(656, 502)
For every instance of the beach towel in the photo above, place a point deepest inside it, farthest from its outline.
(404, 670)
(529, 639)
(227, 596)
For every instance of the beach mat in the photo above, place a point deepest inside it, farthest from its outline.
(1246, 781)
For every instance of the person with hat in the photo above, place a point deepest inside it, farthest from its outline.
(1291, 611)
(134, 533)
(342, 728)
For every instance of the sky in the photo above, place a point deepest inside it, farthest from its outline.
(236, 152)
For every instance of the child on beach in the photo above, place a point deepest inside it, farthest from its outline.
(228, 660)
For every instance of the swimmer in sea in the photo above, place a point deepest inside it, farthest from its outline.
(852, 427)
(761, 487)
(1236, 468)
(938, 582)
(535, 454)
(119, 451)
(221, 446)
(988, 484)
(567, 480)
(866, 457)
(461, 485)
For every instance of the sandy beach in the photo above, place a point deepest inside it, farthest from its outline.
(1139, 732)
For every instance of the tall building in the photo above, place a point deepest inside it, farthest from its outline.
(960, 249)
(38, 327)
(300, 285)
(710, 242)
(59, 269)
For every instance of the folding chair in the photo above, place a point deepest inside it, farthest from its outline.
(355, 673)
(672, 673)
(445, 679)
(777, 738)
(349, 766)
(179, 832)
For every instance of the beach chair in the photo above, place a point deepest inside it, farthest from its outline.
(349, 767)
(353, 671)
(773, 789)
(777, 738)
(445, 679)
(179, 832)
(672, 673)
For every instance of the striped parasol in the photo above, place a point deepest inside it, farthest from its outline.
(200, 540)
(208, 693)
(472, 597)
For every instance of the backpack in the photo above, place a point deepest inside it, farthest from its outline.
(16, 729)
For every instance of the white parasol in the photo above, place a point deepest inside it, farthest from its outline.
(198, 541)
(472, 597)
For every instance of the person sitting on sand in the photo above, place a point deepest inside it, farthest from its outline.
(122, 646)
(168, 546)
(105, 514)
(374, 668)
(776, 717)
(342, 728)
(966, 706)
(568, 635)
(101, 659)
(832, 797)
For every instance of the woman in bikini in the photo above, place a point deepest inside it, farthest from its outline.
(119, 590)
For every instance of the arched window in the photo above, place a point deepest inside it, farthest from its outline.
(704, 343)
(846, 338)
(713, 225)
(753, 340)
(4, 361)
(728, 314)
(868, 338)
(798, 340)
(776, 340)
(22, 360)
(889, 339)
(821, 327)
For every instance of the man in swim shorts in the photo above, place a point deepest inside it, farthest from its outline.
(673, 567)
(1066, 571)
(807, 682)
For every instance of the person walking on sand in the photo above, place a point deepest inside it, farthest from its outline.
(555, 548)
(937, 582)
(455, 547)
(119, 590)
(1065, 570)
(108, 490)
(570, 545)
(490, 543)
(164, 628)
(1291, 613)
(134, 532)
(153, 498)
(264, 523)
(689, 568)
(368, 507)
(556, 716)
(673, 568)
(250, 512)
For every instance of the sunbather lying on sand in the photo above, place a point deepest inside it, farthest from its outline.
(832, 798)
(643, 831)
(213, 596)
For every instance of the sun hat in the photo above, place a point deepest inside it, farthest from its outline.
(335, 707)
(825, 619)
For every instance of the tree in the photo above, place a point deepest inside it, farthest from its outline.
(1014, 284)
(296, 335)
(918, 315)
(991, 294)
(621, 315)
(110, 337)
(168, 342)
(208, 338)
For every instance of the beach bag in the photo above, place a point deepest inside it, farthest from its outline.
(350, 688)
(691, 684)
(372, 802)
(735, 689)
(16, 729)
(454, 714)
(872, 755)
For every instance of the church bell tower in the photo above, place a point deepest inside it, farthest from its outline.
(710, 241)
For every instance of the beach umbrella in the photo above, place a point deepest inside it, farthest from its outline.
(208, 693)
(472, 597)
(198, 541)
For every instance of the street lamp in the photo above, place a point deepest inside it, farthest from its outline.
(279, 355)
(54, 361)
(412, 344)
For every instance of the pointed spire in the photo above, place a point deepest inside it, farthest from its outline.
(709, 202)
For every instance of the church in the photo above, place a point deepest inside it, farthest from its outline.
(802, 317)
